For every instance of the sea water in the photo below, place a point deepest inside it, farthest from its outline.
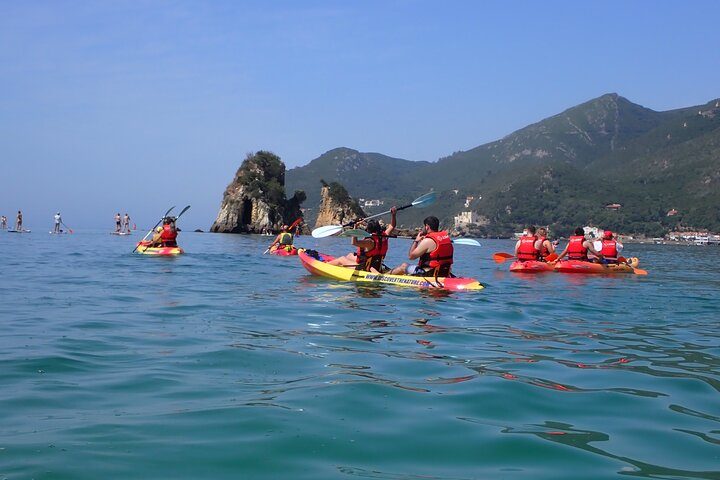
(226, 363)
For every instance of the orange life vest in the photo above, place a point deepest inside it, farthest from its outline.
(576, 248)
(374, 257)
(544, 251)
(441, 258)
(526, 250)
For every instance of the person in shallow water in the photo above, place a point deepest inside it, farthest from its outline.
(578, 247)
(432, 248)
(371, 251)
(283, 240)
(166, 235)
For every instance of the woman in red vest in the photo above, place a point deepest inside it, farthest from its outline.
(610, 247)
(371, 251)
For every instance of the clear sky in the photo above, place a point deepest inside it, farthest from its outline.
(138, 105)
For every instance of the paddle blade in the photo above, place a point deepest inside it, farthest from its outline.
(425, 200)
(182, 211)
(326, 231)
(501, 257)
(355, 232)
(466, 241)
(551, 257)
(295, 223)
(640, 271)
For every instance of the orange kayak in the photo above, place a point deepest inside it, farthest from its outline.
(578, 266)
(530, 266)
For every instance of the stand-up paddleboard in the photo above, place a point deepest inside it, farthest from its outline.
(58, 233)
(18, 231)
(120, 233)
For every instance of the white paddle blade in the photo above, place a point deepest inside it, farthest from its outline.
(425, 200)
(326, 231)
(466, 241)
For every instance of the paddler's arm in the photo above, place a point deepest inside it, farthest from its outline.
(517, 247)
(564, 252)
(420, 247)
(275, 242)
(393, 221)
(365, 243)
(591, 248)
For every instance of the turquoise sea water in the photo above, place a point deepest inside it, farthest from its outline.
(224, 363)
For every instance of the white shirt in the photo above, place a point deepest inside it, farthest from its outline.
(57, 218)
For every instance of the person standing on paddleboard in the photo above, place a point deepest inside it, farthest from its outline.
(3, 222)
(18, 221)
(126, 223)
(371, 251)
(118, 222)
(58, 221)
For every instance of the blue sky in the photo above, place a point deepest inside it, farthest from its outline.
(138, 105)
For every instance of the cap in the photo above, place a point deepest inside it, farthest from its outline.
(607, 234)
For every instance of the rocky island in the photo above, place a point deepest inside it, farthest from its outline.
(255, 201)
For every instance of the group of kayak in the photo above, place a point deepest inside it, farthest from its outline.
(534, 253)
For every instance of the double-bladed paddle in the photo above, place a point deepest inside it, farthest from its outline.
(329, 230)
(356, 232)
(501, 257)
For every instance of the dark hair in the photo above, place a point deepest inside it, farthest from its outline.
(531, 229)
(373, 226)
(432, 222)
(580, 231)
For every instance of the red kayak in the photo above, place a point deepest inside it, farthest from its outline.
(284, 252)
(530, 266)
(578, 266)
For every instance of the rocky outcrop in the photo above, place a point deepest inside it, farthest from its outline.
(255, 200)
(336, 206)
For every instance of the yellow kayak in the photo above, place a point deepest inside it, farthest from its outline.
(318, 266)
(144, 249)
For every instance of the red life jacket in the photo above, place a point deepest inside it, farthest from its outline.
(168, 236)
(374, 257)
(442, 257)
(576, 248)
(526, 250)
(609, 249)
(544, 252)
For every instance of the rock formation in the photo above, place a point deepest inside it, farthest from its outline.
(255, 201)
(336, 206)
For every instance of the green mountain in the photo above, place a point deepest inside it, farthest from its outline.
(564, 170)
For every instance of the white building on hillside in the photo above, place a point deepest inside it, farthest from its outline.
(466, 218)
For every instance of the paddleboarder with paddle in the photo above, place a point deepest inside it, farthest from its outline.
(371, 251)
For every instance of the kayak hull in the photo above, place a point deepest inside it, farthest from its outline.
(321, 268)
(282, 252)
(530, 266)
(159, 251)
(578, 266)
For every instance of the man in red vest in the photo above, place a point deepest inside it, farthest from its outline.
(432, 248)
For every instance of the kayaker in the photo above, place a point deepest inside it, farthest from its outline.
(58, 221)
(18, 221)
(118, 222)
(432, 248)
(371, 251)
(166, 236)
(610, 247)
(528, 247)
(546, 246)
(578, 247)
(283, 240)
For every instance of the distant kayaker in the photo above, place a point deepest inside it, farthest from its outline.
(19, 221)
(58, 221)
(432, 248)
(371, 251)
(283, 240)
(166, 235)
(126, 222)
(578, 247)
(546, 246)
(610, 247)
(528, 247)
(118, 222)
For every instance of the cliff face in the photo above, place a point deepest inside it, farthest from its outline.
(255, 199)
(336, 206)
